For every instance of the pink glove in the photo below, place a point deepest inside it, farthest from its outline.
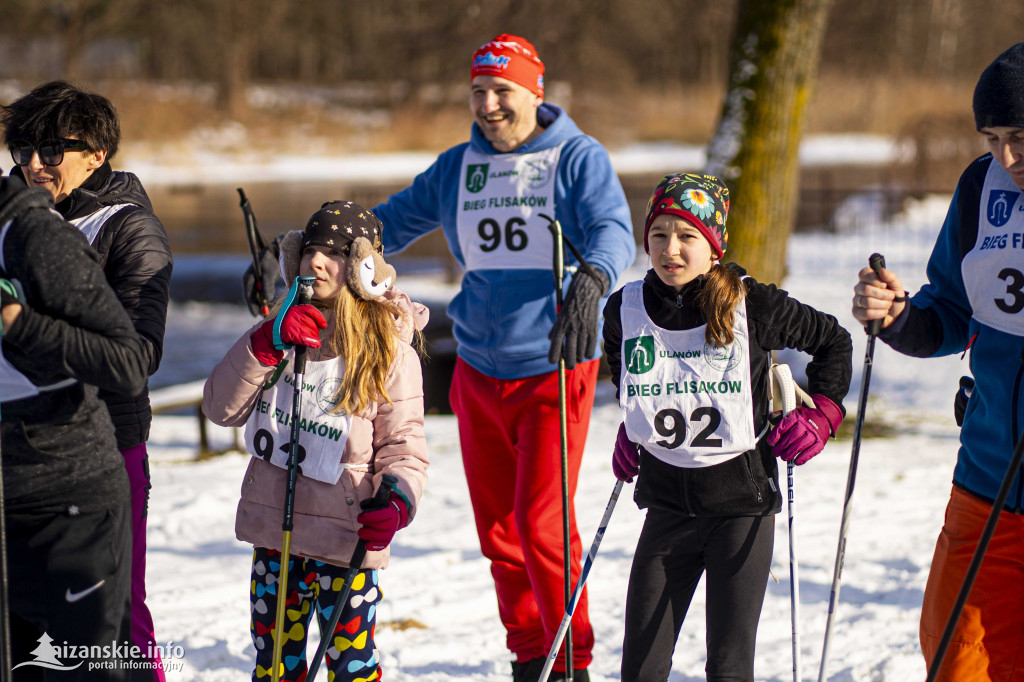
(802, 433)
(301, 326)
(380, 525)
(626, 457)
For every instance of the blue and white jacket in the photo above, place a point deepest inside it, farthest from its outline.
(975, 298)
(502, 316)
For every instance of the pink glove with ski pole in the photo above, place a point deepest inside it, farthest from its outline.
(381, 524)
(626, 457)
(802, 433)
(301, 326)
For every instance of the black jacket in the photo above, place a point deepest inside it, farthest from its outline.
(58, 447)
(748, 484)
(136, 259)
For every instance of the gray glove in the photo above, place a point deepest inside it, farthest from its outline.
(576, 324)
(267, 286)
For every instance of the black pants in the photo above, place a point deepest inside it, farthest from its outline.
(672, 553)
(69, 587)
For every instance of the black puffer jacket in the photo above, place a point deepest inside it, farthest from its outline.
(746, 485)
(136, 259)
(58, 447)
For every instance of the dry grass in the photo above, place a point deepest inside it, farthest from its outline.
(162, 117)
(403, 624)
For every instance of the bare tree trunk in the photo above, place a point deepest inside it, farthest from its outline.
(773, 63)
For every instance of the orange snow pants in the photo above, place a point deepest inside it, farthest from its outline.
(988, 643)
(511, 451)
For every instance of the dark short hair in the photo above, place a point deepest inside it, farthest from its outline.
(61, 110)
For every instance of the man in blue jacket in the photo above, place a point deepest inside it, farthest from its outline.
(974, 299)
(526, 161)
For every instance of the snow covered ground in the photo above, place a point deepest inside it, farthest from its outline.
(438, 620)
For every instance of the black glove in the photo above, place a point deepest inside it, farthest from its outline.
(960, 399)
(268, 256)
(576, 323)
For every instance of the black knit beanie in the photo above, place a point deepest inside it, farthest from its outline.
(338, 223)
(999, 95)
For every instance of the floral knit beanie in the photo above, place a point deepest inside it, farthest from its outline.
(701, 200)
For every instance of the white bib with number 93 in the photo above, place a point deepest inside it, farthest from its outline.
(993, 270)
(322, 435)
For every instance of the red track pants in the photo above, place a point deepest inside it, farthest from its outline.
(511, 451)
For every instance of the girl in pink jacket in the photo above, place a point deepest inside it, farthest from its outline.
(362, 417)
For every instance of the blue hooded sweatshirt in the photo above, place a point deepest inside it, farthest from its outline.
(985, 223)
(501, 317)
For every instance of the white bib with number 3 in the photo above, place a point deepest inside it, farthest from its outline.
(322, 435)
(993, 270)
(687, 403)
(500, 197)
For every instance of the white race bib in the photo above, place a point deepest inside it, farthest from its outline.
(687, 403)
(500, 197)
(993, 270)
(322, 435)
(90, 225)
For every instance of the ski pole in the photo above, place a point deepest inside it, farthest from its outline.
(5, 607)
(256, 245)
(302, 289)
(578, 592)
(979, 555)
(380, 500)
(784, 378)
(877, 263)
(559, 270)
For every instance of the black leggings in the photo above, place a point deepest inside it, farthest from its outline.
(671, 555)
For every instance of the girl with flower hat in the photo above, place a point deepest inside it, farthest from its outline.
(362, 418)
(689, 348)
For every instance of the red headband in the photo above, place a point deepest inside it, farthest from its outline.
(511, 57)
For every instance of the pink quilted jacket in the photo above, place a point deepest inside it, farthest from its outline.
(384, 439)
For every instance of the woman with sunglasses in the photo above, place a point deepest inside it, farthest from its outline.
(61, 139)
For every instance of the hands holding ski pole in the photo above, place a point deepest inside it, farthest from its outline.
(802, 433)
(301, 326)
(878, 295)
(625, 457)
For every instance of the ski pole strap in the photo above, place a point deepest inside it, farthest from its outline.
(556, 231)
(289, 301)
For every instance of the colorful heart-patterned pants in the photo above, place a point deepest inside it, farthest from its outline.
(352, 656)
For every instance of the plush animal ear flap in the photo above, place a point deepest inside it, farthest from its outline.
(366, 273)
(291, 255)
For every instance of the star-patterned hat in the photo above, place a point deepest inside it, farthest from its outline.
(338, 223)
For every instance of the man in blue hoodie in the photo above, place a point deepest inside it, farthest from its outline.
(526, 161)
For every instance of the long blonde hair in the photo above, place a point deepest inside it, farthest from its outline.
(723, 290)
(365, 337)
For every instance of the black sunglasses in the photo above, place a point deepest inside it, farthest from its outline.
(51, 152)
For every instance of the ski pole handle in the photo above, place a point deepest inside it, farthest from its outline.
(877, 263)
(305, 296)
(256, 247)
